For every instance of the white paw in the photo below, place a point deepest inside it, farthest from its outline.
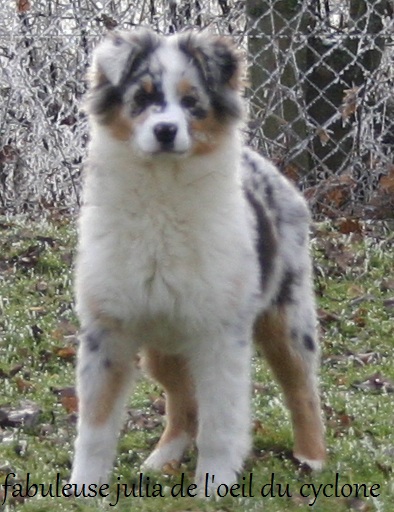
(169, 452)
(92, 471)
(215, 485)
(314, 464)
(209, 477)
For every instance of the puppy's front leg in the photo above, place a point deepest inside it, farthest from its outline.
(221, 371)
(104, 373)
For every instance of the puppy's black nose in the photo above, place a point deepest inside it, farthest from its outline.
(165, 133)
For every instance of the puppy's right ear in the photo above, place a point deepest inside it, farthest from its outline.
(115, 60)
(119, 54)
(108, 60)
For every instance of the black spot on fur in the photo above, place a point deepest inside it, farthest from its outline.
(261, 181)
(266, 243)
(93, 338)
(107, 363)
(143, 45)
(199, 113)
(93, 342)
(309, 342)
(144, 99)
(104, 99)
(269, 193)
(252, 164)
(224, 107)
(285, 294)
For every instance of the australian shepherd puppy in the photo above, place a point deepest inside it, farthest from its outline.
(190, 247)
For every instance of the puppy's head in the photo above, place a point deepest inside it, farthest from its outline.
(177, 94)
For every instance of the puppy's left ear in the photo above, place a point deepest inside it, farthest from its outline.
(228, 61)
(217, 59)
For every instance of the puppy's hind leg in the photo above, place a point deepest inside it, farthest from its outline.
(172, 372)
(104, 372)
(293, 357)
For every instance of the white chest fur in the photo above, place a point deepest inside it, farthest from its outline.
(164, 245)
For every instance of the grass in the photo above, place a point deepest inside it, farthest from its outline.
(355, 287)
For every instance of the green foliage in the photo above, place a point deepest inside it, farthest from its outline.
(355, 290)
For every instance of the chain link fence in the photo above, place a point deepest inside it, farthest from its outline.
(320, 92)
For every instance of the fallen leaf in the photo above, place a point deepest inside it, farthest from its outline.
(70, 403)
(347, 226)
(67, 397)
(23, 385)
(67, 353)
(331, 195)
(67, 391)
(292, 172)
(349, 103)
(360, 317)
(324, 135)
(23, 6)
(375, 382)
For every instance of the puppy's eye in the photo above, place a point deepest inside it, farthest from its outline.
(143, 99)
(189, 102)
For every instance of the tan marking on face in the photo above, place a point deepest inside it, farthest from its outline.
(184, 87)
(147, 85)
(236, 82)
(120, 125)
(141, 118)
(96, 77)
(207, 134)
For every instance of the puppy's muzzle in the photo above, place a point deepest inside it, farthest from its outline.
(165, 134)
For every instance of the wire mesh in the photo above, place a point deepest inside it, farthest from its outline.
(319, 95)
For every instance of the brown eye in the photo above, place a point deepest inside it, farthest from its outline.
(144, 99)
(189, 102)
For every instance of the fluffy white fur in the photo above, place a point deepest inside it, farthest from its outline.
(167, 260)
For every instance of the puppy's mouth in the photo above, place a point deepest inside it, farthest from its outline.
(168, 150)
